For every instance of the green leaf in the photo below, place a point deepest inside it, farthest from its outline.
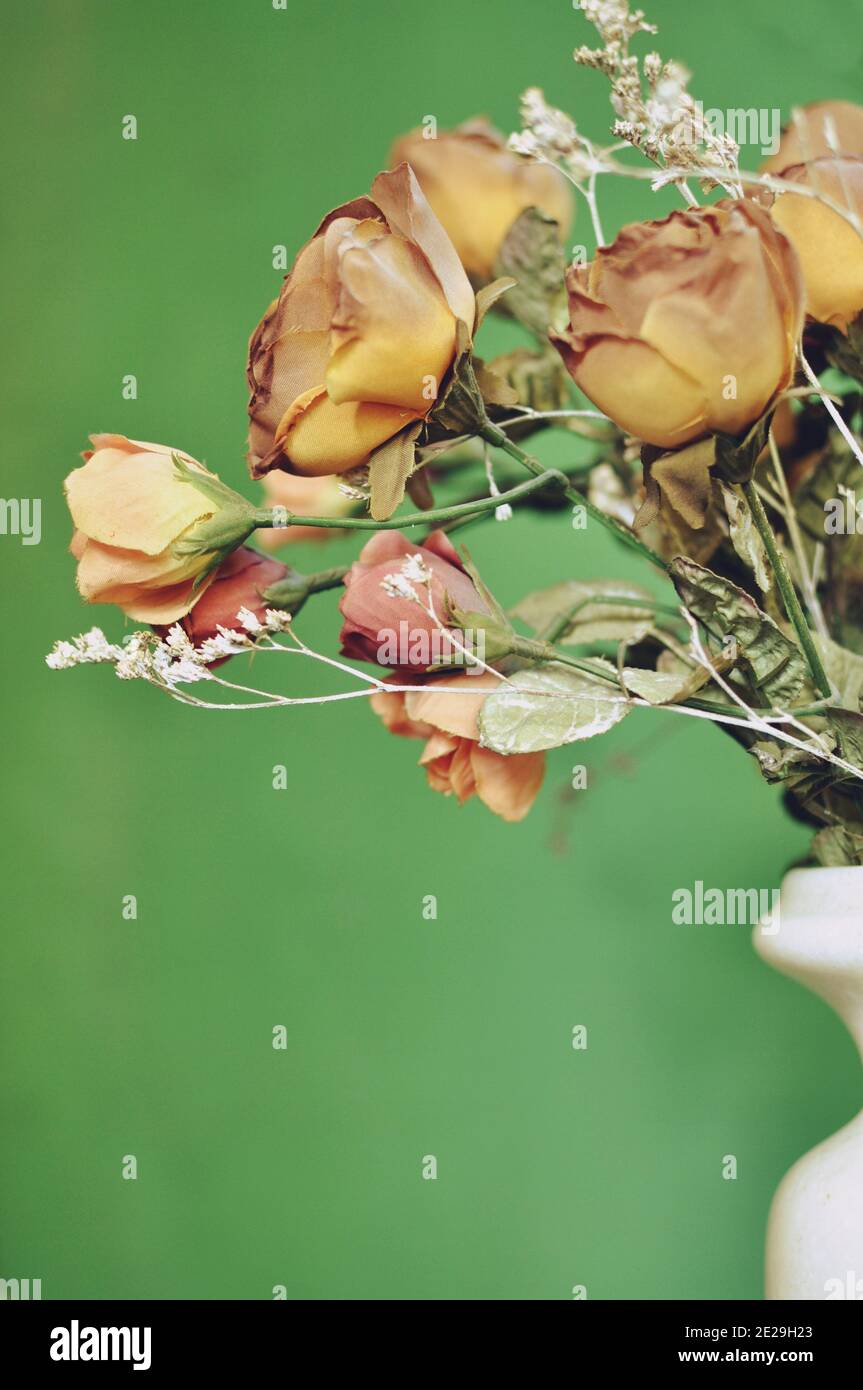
(532, 254)
(844, 668)
(628, 618)
(538, 379)
(547, 708)
(847, 725)
(657, 687)
(774, 663)
(390, 466)
(836, 847)
(745, 536)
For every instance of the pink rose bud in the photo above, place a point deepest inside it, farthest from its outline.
(239, 582)
(392, 628)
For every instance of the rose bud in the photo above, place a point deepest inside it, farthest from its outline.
(137, 524)
(238, 583)
(302, 497)
(810, 134)
(453, 759)
(830, 250)
(395, 631)
(478, 187)
(686, 326)
(362, 335)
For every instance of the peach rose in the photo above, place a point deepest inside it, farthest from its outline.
(830, 250)
(453, 759)
(129, 509)
(807, 135)
(375, 620)
(303, 497)
(477, 187)
(361, 337)
(686, 326)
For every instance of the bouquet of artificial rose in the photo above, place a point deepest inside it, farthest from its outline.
(706, 368)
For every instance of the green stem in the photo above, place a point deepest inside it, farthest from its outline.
(497, 437)
(278, 517)
(786, 588)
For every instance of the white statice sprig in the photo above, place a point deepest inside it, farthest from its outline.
(171, 661)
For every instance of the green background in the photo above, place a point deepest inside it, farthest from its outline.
(303, 907)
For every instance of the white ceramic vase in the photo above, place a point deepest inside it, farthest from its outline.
(815, 1230)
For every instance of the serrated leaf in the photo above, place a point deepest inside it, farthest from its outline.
(590, 619)
(745, 536)
(533, 256)
(390, 466)
(547, 708)
(657, 687)
(538, 379)
(845, 670)
(775, 665)
(847, 725)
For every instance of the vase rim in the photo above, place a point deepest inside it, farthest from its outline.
(824, 892)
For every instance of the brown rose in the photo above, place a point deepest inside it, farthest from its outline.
(477, 187)
(809, 133)
(830, 250)
(686, 326)
(361, 336)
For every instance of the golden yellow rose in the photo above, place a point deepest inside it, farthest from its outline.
(686, 326)
(830, 250)
(809, 133)
(477, 187)
(129, 509)
(361, 336)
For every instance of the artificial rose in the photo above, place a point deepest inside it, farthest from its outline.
(809, 134)
(376, 622)
(129, 509)
(686, 326)
(237, 583)
(829, 249)
(453, 759)
(302, 497)
(362, 335)
(477, 187)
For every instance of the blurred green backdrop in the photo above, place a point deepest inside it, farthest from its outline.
(303, 907)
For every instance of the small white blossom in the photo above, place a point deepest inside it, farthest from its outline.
(278, 620)
(177, 641)
(396, 586)
(415, 570)
(249, 620)
(62, 657)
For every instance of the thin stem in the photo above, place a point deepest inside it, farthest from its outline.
(786, 588)
(827, 402)
(807, 581)
(496, 436)
(275, 516)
